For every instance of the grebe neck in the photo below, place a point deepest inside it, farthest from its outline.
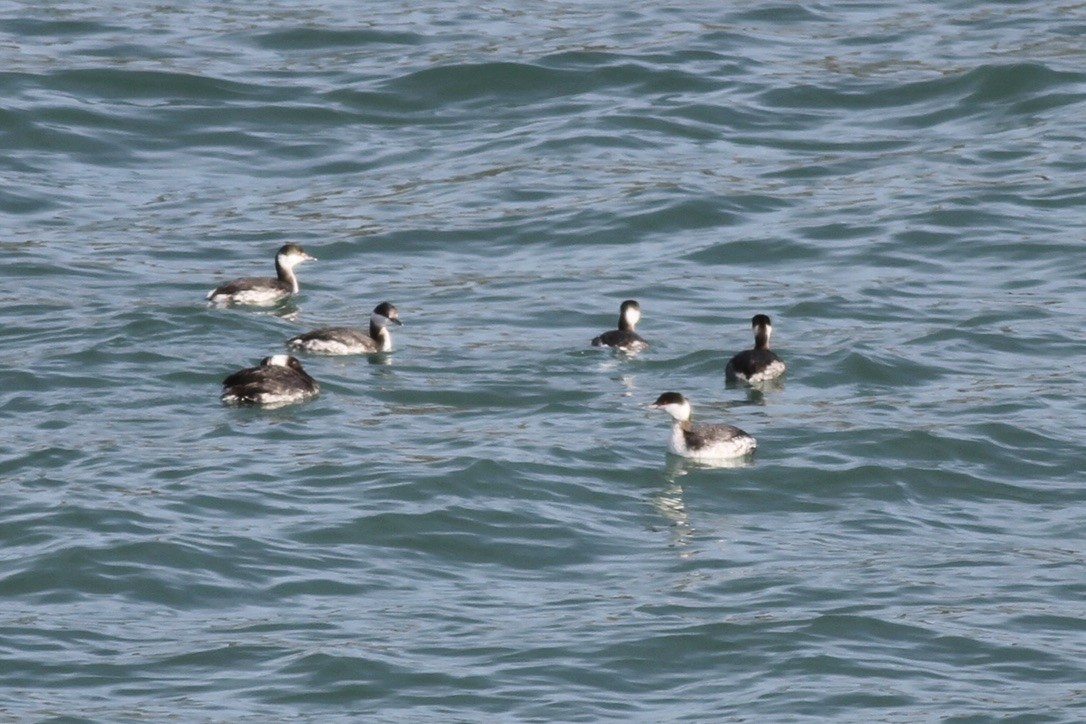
(285, 273)
(379, 334)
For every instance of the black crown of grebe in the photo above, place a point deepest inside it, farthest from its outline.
(344, 340)
(264, 290)
(624, 338)
(701, 442)
(756, 365)
(277, 380)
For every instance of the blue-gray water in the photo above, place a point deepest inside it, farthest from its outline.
(487, 528)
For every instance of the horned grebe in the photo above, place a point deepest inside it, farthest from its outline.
(264, 290)
(277, 380)
(344, 340)
(701, 442)
(759, 364)
(624, 338)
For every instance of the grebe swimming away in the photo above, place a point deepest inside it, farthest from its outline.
(760, 364)
(264, 290)
(277, 380)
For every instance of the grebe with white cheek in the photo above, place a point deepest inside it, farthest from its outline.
(701, 442)
(759, 364)
(624, 338)
(264, 291)
(345, 340)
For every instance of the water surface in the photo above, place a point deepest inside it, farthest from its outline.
(484, 525)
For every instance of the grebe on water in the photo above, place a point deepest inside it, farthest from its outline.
(760, 364)
(277, 380)
(701, 442)
(344, 340)
(264, 290)
(624, 338)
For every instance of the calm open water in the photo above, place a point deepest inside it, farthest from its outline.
(484, 526)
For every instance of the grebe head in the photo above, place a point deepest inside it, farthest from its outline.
(763, 329)
(629, 315)
(673, 404)
(282, 360)
(291, 255)
(384, 313)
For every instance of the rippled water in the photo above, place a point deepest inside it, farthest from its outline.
(484, 525)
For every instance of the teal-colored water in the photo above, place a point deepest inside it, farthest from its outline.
(484, 525)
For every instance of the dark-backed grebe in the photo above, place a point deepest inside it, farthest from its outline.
(624, 338)
(277, 380)
(344, 340)
(264, 290)
(759, 364)
(701, 442)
